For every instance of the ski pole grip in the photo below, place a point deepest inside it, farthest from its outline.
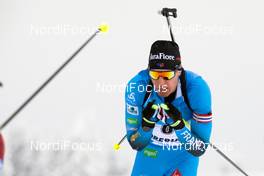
(169, 12)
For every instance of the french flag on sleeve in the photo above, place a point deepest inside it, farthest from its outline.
(203, 118)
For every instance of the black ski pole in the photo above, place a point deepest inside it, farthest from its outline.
(102, 28)
(117, 145)
(228, 159)
(167, 13)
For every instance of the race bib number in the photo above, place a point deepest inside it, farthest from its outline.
(164, 135)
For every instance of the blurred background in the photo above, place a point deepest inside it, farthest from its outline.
(84, 106)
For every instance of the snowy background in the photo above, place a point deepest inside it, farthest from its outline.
(220, 40)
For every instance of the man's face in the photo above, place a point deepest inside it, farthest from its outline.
(163, 86)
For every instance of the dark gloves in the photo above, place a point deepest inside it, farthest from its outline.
(147, 115)
(176, 121)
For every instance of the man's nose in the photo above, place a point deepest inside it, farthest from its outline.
(161, 80)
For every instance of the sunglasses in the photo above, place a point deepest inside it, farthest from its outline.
(164, 74)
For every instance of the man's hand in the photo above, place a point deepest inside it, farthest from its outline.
(175, 116)
(148, 119)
